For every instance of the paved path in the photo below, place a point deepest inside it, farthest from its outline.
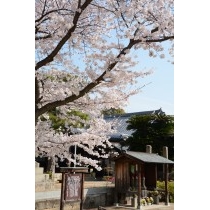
(56, 195)
(161, 206)
(47, 195)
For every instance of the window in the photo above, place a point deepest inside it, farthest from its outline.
(134, 177)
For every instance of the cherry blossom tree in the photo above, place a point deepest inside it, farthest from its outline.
(83, 61)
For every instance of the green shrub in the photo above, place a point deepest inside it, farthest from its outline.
(161, 186)
(50, 174)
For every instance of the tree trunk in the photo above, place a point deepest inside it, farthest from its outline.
(51, 165)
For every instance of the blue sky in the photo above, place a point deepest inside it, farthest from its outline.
(159, 93)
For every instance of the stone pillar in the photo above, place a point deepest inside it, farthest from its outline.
(134, 201)
(165, 152)
(144, 188)
(148, 149)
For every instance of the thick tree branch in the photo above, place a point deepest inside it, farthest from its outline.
(43, 37)
(91, 85)
(51, 56)
(37, 92)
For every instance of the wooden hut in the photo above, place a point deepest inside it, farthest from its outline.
(136, 172)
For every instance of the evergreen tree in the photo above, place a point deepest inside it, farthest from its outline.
(113, 111)
(156, 130)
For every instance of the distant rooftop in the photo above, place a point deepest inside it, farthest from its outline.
(128, 115)
(146, 157)
(121, 124)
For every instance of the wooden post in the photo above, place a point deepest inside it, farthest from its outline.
(116, 184)
(82, 190)
(139, 187)
(65, 196)
(166, 185)
(155, 175)
(62, 191)
(165, 154)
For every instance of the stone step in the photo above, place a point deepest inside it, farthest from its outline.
(46, 186)
(41, 177)
(39, 171)
(36, 164)
(57, 176)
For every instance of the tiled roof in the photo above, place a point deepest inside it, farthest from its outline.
(148, 157)
(121, 124)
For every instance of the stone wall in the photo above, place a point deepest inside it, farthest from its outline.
(100, 196)
(43, 181)
(54, 204)
(92, 199)
(47, 195)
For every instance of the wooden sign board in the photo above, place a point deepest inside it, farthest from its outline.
(73, 187)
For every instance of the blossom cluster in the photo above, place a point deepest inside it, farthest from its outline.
(84, 60)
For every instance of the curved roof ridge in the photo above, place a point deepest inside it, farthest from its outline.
(134, 113)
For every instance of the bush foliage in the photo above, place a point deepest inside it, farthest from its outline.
(161, 186)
